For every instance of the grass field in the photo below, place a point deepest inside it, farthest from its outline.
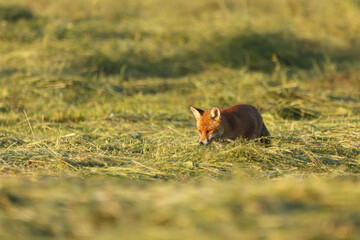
(97, 140)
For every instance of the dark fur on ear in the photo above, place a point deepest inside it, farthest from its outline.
(197, 112)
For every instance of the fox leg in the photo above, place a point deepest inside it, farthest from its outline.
(264, 135)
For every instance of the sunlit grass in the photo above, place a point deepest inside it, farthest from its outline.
(97, 139)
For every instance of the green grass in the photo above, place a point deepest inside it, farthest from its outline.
(97, 139)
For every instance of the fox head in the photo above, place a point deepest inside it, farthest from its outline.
(208, 123)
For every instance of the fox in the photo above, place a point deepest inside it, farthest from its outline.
(231, 123)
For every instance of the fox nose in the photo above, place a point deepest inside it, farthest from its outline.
(201, 143)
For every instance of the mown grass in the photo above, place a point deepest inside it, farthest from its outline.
(97, 140)
(99, 208)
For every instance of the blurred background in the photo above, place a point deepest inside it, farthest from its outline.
(83, 51)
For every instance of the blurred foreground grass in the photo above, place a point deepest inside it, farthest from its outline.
(97, 140)
(98, 208)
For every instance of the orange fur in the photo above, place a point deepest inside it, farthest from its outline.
(238, 121)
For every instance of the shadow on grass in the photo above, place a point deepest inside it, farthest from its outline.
(13, 13)
(255, 51)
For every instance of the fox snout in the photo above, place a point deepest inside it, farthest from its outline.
(204, 142)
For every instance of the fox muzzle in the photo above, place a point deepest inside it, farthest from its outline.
(205, 142)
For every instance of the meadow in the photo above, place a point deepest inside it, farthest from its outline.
(97, 140)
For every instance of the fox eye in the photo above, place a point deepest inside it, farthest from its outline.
(207, 131)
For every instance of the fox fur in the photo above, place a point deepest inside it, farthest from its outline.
(238, 121)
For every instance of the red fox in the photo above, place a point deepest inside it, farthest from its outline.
(238, 121)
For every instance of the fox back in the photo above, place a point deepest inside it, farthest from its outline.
(238, 121)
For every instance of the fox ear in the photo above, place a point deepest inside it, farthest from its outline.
(215, 113)
(197, 112)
